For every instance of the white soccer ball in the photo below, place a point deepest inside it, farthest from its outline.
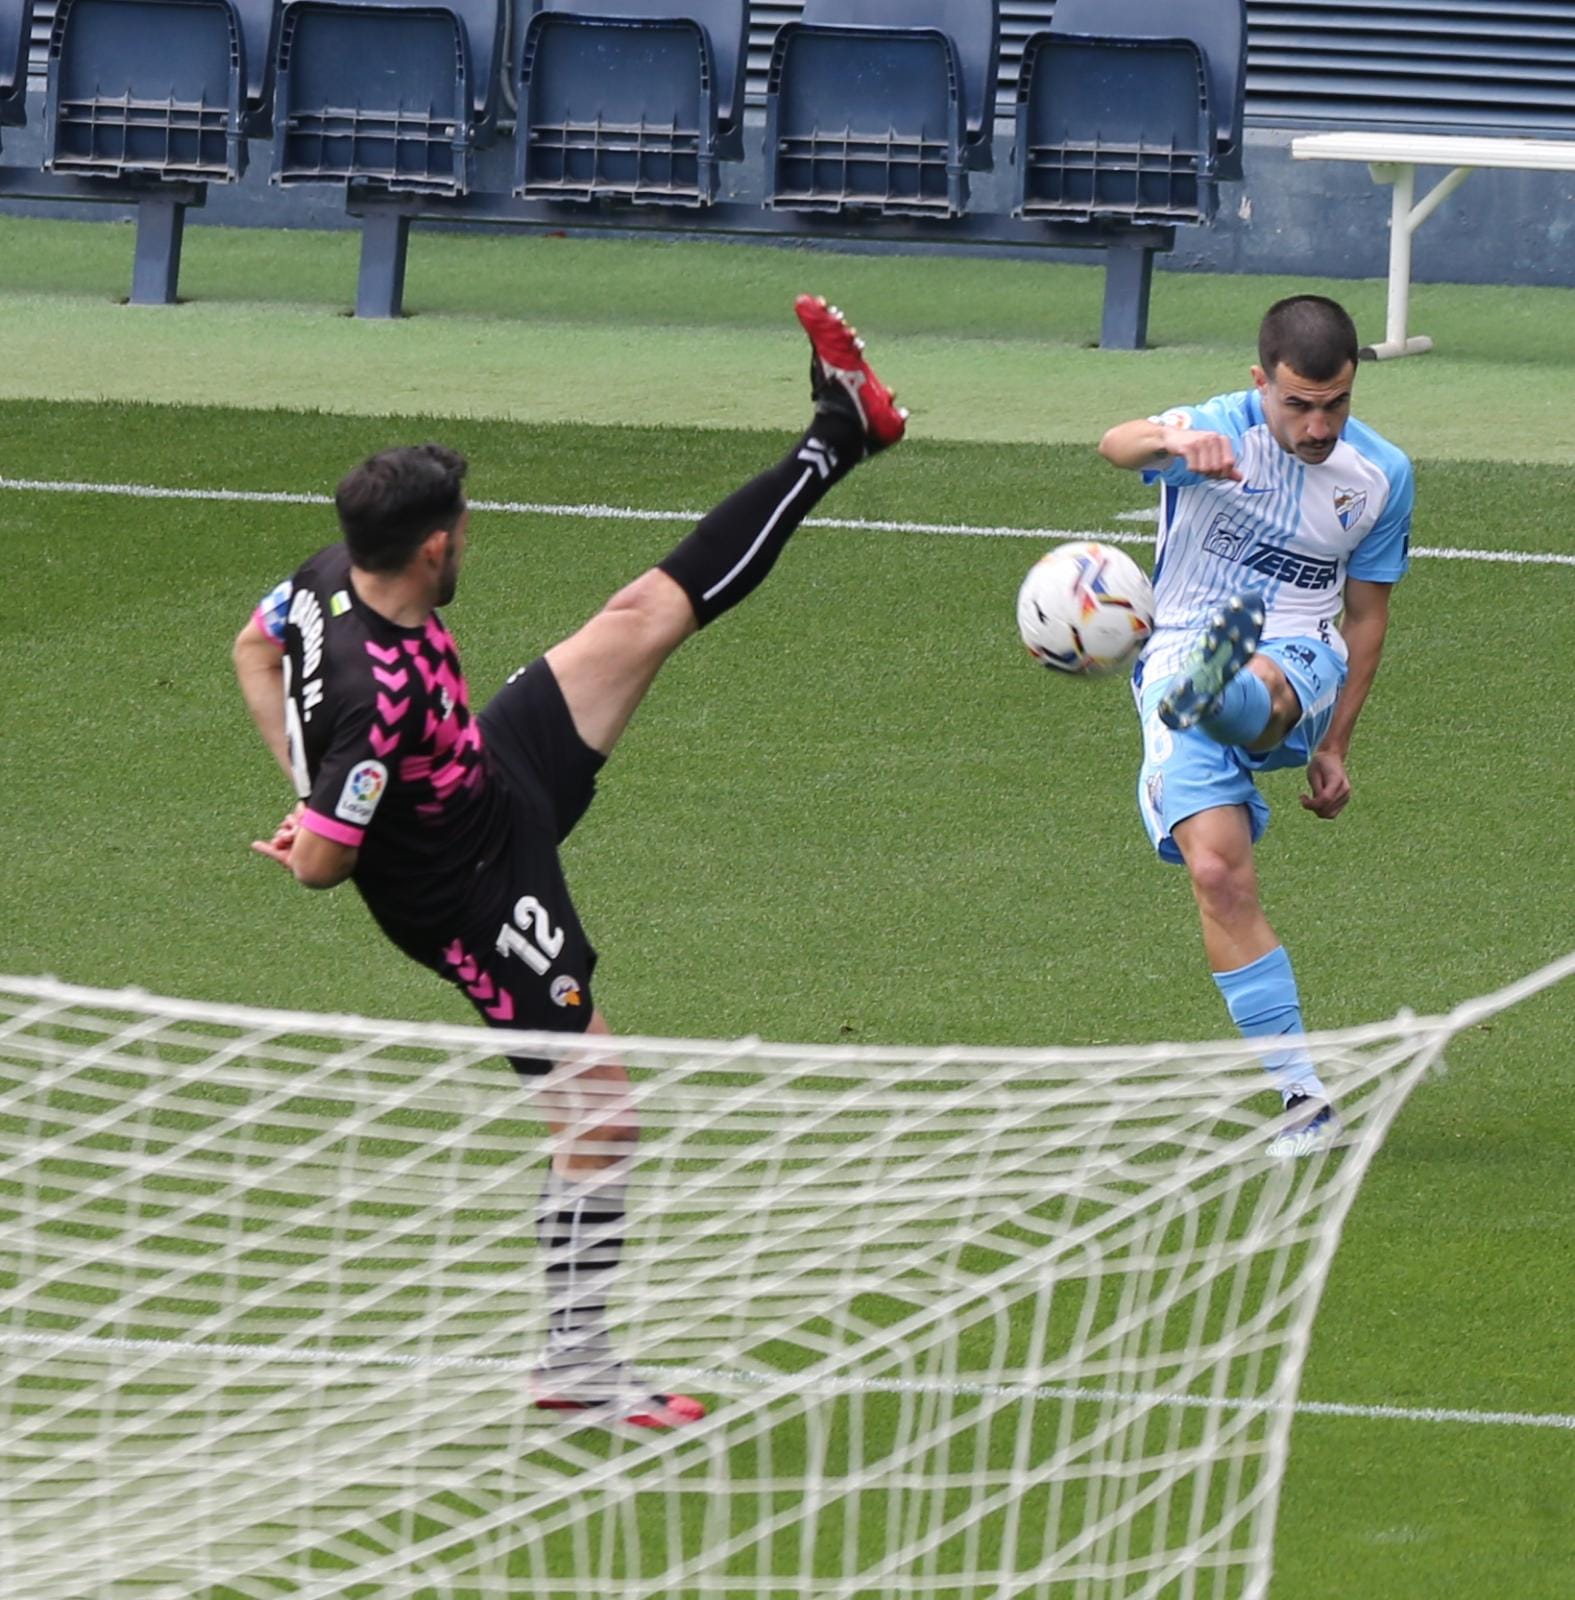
(1085, 608)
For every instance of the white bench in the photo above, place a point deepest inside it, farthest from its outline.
(1394, 158)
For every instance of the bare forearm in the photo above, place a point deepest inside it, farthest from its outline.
(1135, 445)
(320, 863)
(259, 670)
(1141, 443)
(265, 701)
(315, 861)
(1364, 640)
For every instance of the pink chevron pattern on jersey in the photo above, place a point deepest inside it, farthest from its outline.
(423, 680)
(444, 678)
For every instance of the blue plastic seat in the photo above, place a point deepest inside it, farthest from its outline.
(146, 88)
(1114, 131)
(1217, 27)
(16, 18)
(634, 100)
(392, 94)
(881, 105)
(974, 28)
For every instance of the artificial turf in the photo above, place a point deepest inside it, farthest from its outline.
(854, 810)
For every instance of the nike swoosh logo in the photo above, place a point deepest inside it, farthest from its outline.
(1247, 488)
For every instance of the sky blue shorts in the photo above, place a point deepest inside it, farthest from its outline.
(1185, 773)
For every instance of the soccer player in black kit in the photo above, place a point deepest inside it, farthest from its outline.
(448, 822)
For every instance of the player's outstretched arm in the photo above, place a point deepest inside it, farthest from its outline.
(1141, 444)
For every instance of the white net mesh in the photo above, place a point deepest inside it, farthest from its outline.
(970, 1323)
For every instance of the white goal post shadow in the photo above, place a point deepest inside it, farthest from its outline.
(970, 1322)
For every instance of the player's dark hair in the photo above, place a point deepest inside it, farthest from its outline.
(394, 500)
(1313, 336)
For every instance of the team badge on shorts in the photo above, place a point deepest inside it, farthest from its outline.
(565, 991)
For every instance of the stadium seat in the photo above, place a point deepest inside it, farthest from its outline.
(259, 21)
(392, 94)
(1217, 27)
(1114, 130)
(16, 18)
(881, 105)
(146, 88)
(633, 100)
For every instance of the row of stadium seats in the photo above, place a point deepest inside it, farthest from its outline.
(1128, 113)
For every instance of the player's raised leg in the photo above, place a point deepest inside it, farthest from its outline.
(1214, 664)
(605, 669)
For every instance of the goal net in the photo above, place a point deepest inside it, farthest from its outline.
(969, 1323)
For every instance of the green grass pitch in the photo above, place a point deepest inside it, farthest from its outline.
(939, 840)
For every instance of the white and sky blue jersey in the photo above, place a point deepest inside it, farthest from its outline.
(1288, 531)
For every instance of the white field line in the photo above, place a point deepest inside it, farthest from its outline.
(253, 1354)
(604, 513)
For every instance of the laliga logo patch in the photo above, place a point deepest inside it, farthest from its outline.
(565, 991)
(363, 789)
(1349, 504)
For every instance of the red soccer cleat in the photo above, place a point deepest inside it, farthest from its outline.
(613, 1396)
(841, 375)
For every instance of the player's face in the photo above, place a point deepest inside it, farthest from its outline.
(448, 577)
(1305, 417)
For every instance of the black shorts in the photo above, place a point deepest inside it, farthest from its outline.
(530, 733)
(524, 960)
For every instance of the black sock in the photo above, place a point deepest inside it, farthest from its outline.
(580, 1227)
(736, 545)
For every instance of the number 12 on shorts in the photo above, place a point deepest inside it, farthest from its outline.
(531, 936)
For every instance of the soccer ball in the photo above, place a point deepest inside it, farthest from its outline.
(1085, 608)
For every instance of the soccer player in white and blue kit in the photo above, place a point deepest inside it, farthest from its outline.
(1284, 524)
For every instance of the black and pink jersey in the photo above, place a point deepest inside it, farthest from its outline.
(386, 753)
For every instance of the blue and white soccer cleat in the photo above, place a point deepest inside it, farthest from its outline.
(1226, 646)
(1311, 1126)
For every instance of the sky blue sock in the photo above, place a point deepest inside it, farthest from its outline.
(1244, 711)
(1262, 1000)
